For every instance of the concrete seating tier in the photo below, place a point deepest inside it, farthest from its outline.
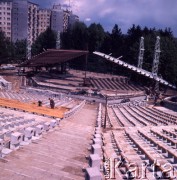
(58, 154)
(114, 84)
(151, 112)
(34, 97)
(125, 153)
(16, 131)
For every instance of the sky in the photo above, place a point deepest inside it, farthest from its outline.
(151, 13)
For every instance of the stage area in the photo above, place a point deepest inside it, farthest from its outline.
(33, 107)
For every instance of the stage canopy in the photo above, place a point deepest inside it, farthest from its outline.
(52, 57)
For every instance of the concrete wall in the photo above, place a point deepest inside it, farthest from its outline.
(169, 104)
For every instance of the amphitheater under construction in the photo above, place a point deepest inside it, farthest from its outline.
(108, 128)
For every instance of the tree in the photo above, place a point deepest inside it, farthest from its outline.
(66, 39)
(19, 51)
(96, 37)
(46, 40)
(5, 47)
(79, 36)
(106, 45)
(168, 59)
(116, 41)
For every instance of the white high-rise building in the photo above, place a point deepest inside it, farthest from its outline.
(5, 18)
(32, 21)
(21, 19)
(57, 17)
(43, 20)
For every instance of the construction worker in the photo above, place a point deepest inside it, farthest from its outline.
(52, 103)
(39, 103)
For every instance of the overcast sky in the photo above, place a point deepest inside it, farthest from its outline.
(150, 13)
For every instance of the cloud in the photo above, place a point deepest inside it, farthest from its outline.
(88, 19)
(150, 13)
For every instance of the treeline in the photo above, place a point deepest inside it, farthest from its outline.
(11, 52)
(95, 38)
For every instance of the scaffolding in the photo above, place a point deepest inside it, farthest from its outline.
(155, 65)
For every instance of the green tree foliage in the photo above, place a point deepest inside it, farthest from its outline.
(168, 59)
(79, 36)
(19, 51)
(46, 40)
(5, 47)
(107, 43)
(116, 41)
(96, 36)
(76, 37)
(66, 39)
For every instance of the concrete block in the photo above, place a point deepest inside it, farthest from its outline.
(93, 174)
(7, 133)
(98, 141)
(96, 149)
(2, 135)
(1, 144)
(98, 128)
(39, 130)
(98, 136)
(58, 122)
(95, 160)
(53, 123)
(7, 125)
(16, 138)
(29, 132)
(46, 126)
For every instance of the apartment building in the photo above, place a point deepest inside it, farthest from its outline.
(57, 15)
(72, 19)
(62, 19)
(21, 19)
(32, 21)
(43, 20)
(5, 18)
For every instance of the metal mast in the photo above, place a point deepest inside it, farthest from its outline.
(58, 44)
(155, 66)
(141, 53)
